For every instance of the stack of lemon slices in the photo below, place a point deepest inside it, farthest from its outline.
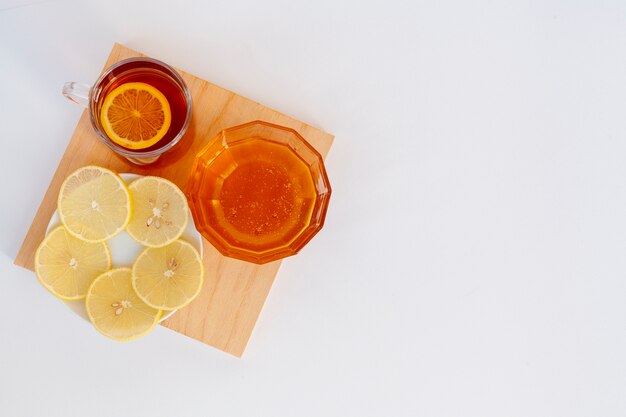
(74, 262)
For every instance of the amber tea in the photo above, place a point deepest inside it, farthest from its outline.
(135, 74)
(139, 107)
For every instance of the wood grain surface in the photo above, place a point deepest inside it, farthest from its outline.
(225, 312)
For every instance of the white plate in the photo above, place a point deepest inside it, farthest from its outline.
(124, 250)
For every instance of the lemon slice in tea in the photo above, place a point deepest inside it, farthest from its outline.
(160, 210)
(169, 277)
(115, 310)
(94, 204)
(135, 115)
(66, 266)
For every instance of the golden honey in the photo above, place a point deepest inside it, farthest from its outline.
(259, 193)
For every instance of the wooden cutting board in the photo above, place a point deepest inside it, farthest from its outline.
(231, 300)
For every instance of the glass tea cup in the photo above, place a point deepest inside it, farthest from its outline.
(145, 70)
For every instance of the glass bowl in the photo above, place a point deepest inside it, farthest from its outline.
(258, 192)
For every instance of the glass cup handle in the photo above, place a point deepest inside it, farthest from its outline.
(77, 92)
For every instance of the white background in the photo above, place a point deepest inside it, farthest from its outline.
(473, 262)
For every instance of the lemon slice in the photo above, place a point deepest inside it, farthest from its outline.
(160, 212)
(94, 204)
(135, 115)
(115, 310)
(169, 277)
(66, 266)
